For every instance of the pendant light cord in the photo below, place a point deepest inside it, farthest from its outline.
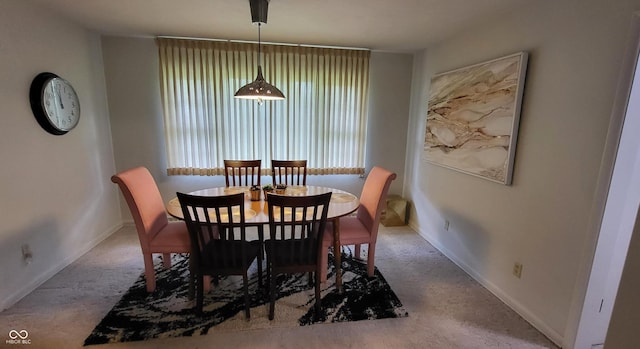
(259, 45)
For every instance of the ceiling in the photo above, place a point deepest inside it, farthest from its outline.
(381, 25)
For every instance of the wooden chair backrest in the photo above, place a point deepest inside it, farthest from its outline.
(297, 223)
(242, 172)
(289, 172)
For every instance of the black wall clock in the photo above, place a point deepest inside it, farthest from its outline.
(54, 103)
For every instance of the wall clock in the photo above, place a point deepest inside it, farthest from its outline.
(54, 103)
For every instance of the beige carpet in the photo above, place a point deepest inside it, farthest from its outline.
(447, 308)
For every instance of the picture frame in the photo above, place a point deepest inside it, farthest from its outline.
(473, 115)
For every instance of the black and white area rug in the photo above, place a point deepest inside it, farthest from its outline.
(168, 312)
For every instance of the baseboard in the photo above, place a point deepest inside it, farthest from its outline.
(54, 269)
(516, 306)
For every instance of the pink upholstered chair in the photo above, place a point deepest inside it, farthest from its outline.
(156, 233)
(362, 228)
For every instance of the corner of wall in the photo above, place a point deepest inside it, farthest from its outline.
(516, 306)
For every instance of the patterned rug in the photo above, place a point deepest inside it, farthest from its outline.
(169, 313)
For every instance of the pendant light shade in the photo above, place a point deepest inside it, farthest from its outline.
(259, 89)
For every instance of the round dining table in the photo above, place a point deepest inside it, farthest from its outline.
(342, 204)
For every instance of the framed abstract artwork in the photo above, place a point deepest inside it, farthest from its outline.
(473, 115)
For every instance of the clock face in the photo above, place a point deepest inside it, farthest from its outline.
(60, 104)
(54, 103)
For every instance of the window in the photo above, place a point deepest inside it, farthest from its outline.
(322, 119)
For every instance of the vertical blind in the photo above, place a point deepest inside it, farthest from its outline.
(323, 118)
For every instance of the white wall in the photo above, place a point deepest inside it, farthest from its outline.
(389, 97)
(542, 220)
(56, 193)
(131, 68)
(623, 329)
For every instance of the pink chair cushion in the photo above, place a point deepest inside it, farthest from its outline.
(173, 238)
(352, 231)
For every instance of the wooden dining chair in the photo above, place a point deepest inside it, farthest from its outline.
(363, 227)
(296, 228)
(219, 243)
(155, 232)
(289, 172)
(242, 172)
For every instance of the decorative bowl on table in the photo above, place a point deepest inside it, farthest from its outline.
(280, 189)
(254, 192)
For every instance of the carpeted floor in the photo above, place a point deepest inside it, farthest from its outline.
(447, 308)
(168, 312)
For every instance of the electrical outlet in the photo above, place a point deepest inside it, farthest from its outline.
(517, 269)
(27, 255)
(446, 225)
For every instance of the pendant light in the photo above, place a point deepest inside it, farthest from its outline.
(259, 89)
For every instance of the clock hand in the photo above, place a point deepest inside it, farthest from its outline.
(60, 100)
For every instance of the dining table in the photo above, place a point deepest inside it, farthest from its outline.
(342, 204)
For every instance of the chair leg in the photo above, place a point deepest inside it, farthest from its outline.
(371, 254)
(317, 305)
(272, 295)
(149, 272)
(192, 277)
(261, 238)
(247, 304)
(268, 265)
(200, 294)
(260, 253)
(324, 263)
(166, 260)
(207, 283)
(268, 275)
(357, 251)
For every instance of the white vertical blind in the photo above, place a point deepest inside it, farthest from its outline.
(323, 118)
